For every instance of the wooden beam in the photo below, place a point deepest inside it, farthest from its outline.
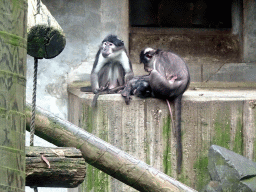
(54, 167)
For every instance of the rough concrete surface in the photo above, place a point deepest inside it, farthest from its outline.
(144, 129)
(232, 171)
(198, 48)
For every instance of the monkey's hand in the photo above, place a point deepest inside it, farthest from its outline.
(101, 89)
(126, 94)
(128, 100)
(96, 91)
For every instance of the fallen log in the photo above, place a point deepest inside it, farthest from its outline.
(54, 167)
(102, 155)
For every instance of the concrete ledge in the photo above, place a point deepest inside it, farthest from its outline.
(223, 117)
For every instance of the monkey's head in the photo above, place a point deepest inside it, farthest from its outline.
(146, 57)
(110, 46)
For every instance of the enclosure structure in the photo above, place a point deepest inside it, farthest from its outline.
(86, 23)
(217, 46)
(215, 49)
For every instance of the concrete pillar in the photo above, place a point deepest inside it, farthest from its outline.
(115, 19)
(249, 30)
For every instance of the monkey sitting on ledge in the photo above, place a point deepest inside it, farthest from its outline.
(111, 69)
(168, 79)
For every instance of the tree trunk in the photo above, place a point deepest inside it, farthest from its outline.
(13, 52)
(102, 155)
(54, 167)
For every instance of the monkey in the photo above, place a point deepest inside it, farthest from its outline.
(111, 67)
(138, 86)
(169, 78)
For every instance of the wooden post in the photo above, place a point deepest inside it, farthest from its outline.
(54, 167)
(13, 55)
(46, 38)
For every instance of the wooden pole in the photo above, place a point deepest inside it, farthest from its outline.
(13, 55)
(102, 155)
(54, 167)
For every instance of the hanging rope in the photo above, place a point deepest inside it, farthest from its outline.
(38, 6)
(33, 116)
(32, 124)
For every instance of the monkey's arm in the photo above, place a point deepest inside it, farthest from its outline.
(127, 91)
(97, 65)
(126, 64)
(128, 76)
(138, 86)
(94, 82)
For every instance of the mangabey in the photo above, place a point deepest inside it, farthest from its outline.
(112, 67)
(138, 86)
(169, 78)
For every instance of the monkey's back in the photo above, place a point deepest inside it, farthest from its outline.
(170, 65)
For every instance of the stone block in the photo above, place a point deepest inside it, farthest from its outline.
(231, 72)
(232, 171)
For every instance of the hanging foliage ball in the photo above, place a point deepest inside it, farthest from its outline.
(45, 42)
(46, 38)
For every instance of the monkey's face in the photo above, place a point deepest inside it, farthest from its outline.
(107, 49)
(111, 46)
(146, 57)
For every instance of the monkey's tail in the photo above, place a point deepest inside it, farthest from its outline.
(177, 105)
(177, 129)
(86, 89)
(96, 96)
(105, 90)
(170, 110)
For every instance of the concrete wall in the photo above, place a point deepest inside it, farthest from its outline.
(249, 31)
(144, 129)
(85, 23)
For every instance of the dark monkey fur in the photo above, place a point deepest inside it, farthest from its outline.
(168, 79)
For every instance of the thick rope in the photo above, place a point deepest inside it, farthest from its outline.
(38, 6)
(32, 124)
